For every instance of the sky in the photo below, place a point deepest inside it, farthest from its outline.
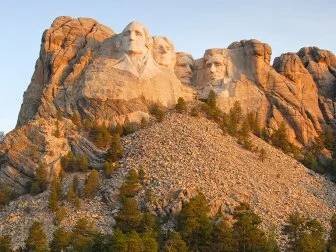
(193, 26)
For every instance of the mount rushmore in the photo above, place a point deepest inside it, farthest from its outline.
(85, 67)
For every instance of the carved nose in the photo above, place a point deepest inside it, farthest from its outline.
(163, 50)
(212, 69)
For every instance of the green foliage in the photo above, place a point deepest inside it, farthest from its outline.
(262, 155)
(158, 111)
(109, 168)
(83, 236)
(129, 216)
(181, 106)
(175, 243)
(57, 131)
(40, 182)
(210, 107)
(232, 120)
(141, 175)
(118, 242)
(332, 235)
(75, 184)
(131, 186)
(60, 214)
(328, 139)
(147, 224)
(195, 111)
(76, 120)
(61, 240)
(4, 195)
(5, 243)
(143, 122)
(116, 151)
(246, 231)
(53, 201)
(194, 223)
(70, 163)
(130, 127)
(92, 184)
(222, 237)
(304, 234)
(311, 162)
(212, 99)
(55, 193)
(279, 138)
(100, 135)
(37, 239)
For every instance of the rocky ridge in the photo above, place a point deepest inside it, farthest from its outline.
(183, 155)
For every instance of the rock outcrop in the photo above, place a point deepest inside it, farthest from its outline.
(87, 69)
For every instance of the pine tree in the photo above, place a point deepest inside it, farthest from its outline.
(332, 235)
(246, 230)
(109, 168)
(60, 214)
(158, 111)
(53, 201)
(181, 105)
(129, 216)
(175, 243)
(194, 223)
(92, 184)
(76, 120)
(61, 240)
(131, 186)
(116, 151)
(4, 195)
(40, 182)
(118, 242)
(37, 239)
(5, 243)
(222, 237)
(83, 163)
(83, 235)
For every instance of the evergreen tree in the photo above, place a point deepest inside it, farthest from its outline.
(75, 184)
(280, 138)
(129, 216)
(328, 138)
(149, 243)
(175, 243)
(332, 235)
(158, 111)
(61, 240)
(246, 231)
(83, 235)
(143, 122)
(311, 162)
(5, 243)
(40, 182)
(109, 168)
(92, 184)
(234, 118)
(118, 242)
(4, 196)
(60, 214)
(134, 242)
(76, 120)
(212, 99)
(53, 201)
(262, 155)
(194, 223)
(131, 186)
(181, 105)
(222, 237)
(37, 239)
(83, 163)
(116, 151)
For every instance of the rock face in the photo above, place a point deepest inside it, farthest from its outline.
(85, 68)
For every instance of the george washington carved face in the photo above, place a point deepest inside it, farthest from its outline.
(135, 39)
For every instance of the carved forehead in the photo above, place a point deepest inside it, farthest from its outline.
(185, 59)
(214, 59)
(136, 26)
(163, 41)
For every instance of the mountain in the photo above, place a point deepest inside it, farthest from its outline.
(87, 73)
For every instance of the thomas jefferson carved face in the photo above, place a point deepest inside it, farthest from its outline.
(215, 68)
(184, 68)
(134, 39)
(163, 51)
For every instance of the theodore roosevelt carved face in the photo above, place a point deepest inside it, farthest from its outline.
(163, 51)
(184, 68)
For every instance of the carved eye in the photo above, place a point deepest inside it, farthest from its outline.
(167, 48)
(127, 33)
(138, 33)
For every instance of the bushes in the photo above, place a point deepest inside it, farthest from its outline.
(158, 111)
(115, 152)
(37, 239)
(181, 105)
(92, 184)
(40, 182)
(71, 163)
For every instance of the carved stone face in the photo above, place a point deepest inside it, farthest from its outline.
(133, 39)
(184, 68)
(215, 68)
(163, 52)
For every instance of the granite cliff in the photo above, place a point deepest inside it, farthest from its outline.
(85, 68)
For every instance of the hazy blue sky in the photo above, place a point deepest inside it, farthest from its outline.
(193, 26)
